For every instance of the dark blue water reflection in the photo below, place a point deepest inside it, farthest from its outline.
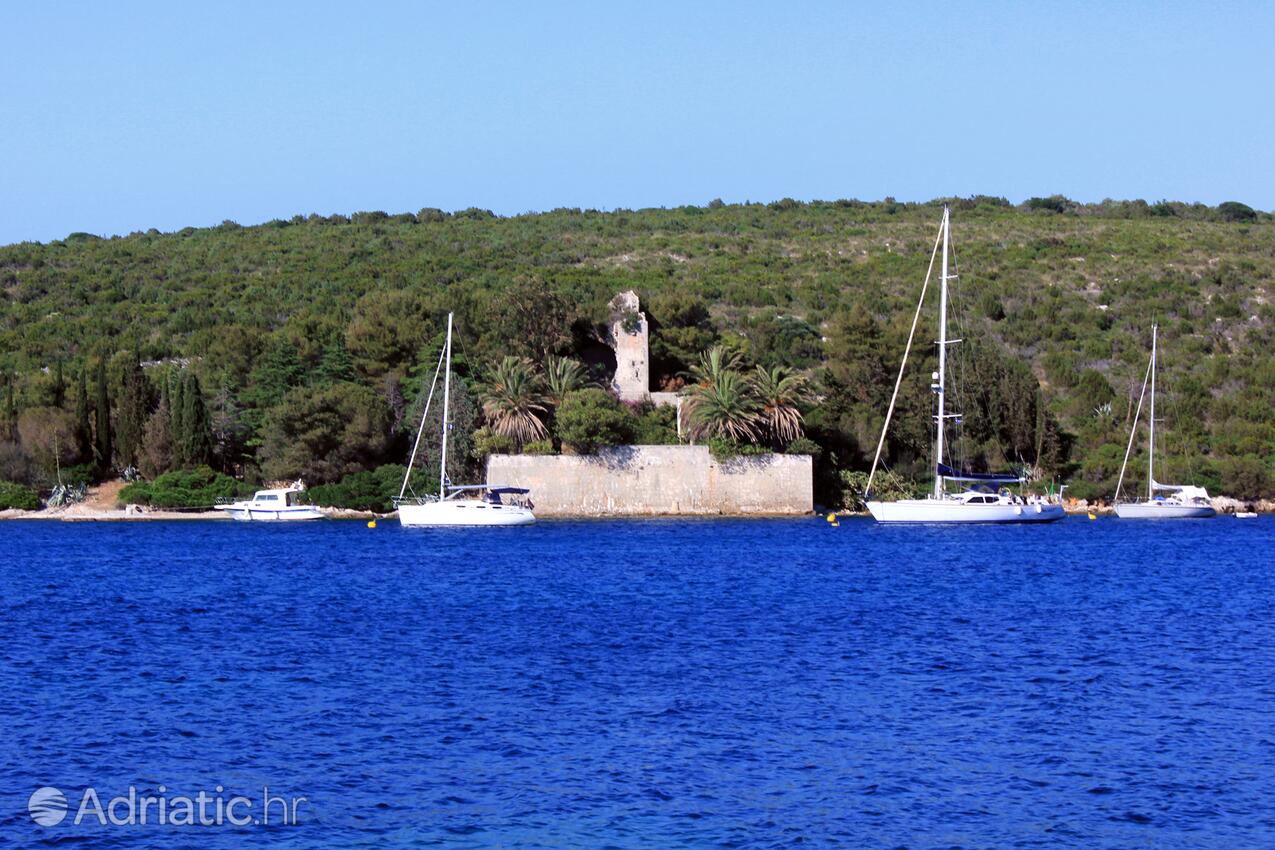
(649, 684)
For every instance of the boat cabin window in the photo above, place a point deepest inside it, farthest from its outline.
(266, 497)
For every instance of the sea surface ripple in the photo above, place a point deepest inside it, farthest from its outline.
(645, 684)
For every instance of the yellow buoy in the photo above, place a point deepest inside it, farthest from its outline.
(1093, 515)
(836, 525)
(832, 518)
(371, 523)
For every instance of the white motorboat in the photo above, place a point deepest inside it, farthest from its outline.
(1183, 501)
(281, 505)
(463, 505)
(982, 501)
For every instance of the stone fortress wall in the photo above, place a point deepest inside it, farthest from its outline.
(659, 480)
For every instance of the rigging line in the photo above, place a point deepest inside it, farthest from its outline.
(956, 299)
(1133, 430)
(916, 317)
(469, 367)
(961, 354)
(1167, 389)
(421, 430)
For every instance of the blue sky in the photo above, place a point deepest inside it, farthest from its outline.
(117, 117)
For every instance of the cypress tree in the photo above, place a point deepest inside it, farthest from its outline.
(102, 443)
(83, 423)
(131, 414)
(10, 412)
(177, 419)
(59, 385)
(195, 436)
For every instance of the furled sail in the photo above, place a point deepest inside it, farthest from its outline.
(952, 474)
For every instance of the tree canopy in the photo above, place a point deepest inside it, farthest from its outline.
(297, 347)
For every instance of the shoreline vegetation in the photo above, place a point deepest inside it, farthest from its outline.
(122, 515)
(103, 505)
(206, 361)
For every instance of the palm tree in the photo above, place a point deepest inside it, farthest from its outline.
(513, 401)
(563, 375)
(724, 406)
(714, 362)
(781, 392)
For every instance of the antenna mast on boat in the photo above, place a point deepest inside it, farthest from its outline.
(447, 396)
(1155, 329)
(942, 385)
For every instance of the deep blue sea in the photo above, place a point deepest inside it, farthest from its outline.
(645, 684)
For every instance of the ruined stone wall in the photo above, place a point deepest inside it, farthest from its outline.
(632, 354)
(655, 480)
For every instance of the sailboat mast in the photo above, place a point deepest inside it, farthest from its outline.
(1151, 442)
(447, 398)
(942, 388)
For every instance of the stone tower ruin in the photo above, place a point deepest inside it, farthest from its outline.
(629, 334)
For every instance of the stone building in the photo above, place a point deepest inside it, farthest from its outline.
(629, 337)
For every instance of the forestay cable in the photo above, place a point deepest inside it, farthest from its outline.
(867, 491)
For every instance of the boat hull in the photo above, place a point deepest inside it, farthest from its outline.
(288, 514)
(466, 512)
(1157, 510)
(951, 511)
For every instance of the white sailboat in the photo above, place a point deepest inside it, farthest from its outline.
(985, 499)
(466, 504)
(1184, 501)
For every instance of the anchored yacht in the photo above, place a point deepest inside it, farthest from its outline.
(1184, 501)
(466, 504)
(985, 499)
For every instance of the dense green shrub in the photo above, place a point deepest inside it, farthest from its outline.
(488, 442)
(361, 491)
(1235, 211)
(724, 448)
(655, 426)
(1247, 478)
(804, 446)
(190, 488)
(17, 496)
(888, 486)
(538, 447)
(591, 419)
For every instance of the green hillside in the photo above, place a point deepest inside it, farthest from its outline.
(298, 347)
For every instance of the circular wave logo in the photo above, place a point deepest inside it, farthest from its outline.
(47, 806)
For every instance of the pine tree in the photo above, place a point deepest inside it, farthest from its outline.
(195, 437)
(102, 443)
(227, 430)
(335, 364)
